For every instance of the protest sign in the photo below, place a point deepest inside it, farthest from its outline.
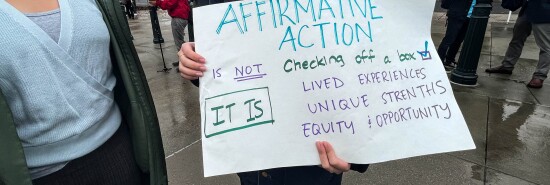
(361, 74)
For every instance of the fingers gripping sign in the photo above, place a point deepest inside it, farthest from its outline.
(191, 64)
(329, 160)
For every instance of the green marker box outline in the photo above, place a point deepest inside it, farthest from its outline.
(241, 127)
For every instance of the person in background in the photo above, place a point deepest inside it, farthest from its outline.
(522, 30)
(535, 17)
(458, 14)
(179, 11)
(130, 11)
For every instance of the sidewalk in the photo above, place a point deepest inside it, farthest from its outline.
(509, 122)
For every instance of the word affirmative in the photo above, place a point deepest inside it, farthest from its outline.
(288, 13)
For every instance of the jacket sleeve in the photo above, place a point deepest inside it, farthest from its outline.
(361, 168)
(445, 4)
(133, 97)
(167, 4)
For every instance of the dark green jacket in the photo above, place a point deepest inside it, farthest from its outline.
(132, 95)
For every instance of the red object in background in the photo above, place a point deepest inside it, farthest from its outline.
(176, 8)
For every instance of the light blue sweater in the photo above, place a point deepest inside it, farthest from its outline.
(60, 94)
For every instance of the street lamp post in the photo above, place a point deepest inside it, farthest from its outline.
(157, 34)
(190, 25)
(465, 72)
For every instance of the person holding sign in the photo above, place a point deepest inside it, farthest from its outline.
(330, 171)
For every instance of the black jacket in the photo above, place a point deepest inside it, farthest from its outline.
(538, 11)
(457, 9)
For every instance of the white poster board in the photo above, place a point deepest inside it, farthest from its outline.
(361, 74)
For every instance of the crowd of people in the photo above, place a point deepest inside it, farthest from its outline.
(73, 104)
(534, 16)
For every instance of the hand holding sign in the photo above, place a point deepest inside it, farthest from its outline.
(188, 57)
(191, 64)
(329, 160)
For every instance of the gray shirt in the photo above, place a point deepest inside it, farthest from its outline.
(49, 21)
